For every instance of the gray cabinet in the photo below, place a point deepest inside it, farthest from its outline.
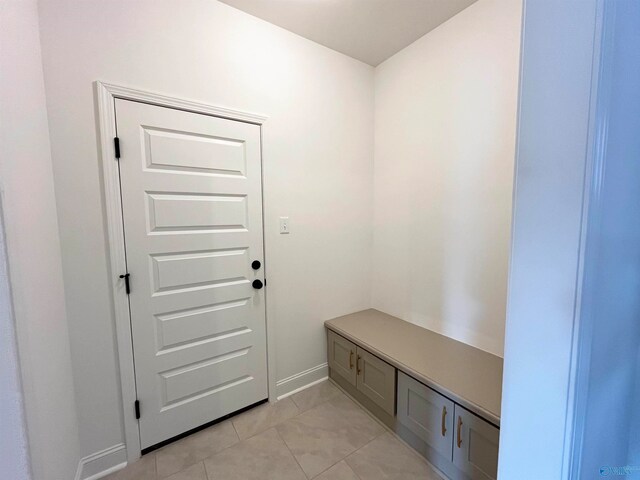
(476, 446)
(342, 357)
(376, 380)
(427, 414)
(370, 380)
(459, 443)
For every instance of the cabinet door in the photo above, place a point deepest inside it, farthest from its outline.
(475, 451)
(426, 413)
(376, 379)
(342, 357)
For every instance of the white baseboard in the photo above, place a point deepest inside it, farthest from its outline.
(112, 459)
(100, 464)
(300, 381)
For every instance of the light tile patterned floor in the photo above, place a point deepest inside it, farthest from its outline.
(317, 433)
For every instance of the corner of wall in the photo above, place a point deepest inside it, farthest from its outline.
(33, 249)
(103, 463)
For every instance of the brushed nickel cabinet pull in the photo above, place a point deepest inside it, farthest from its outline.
(459, 432)
(351, 360)
(444, 416)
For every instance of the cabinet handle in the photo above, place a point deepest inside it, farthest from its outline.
(358, 365)
(351, 360)
(459, 441)
(444, 416)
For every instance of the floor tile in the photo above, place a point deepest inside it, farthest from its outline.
(194, 472)
(263, 456)
(386, 458)
(194, 448)
(312, 396)
(264, 417)
(143, 469)
(340, 471)
(326, 434)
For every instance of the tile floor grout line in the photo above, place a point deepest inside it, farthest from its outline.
(363, 446)
(334, 464)
(258, 432)
(387, 429)
(295, 404)
(351, 468)
(205, 458)
(340, 393)
(289, 450)
(417, 454)
(347, 455)
(405, 445)
(343, 459)
(220, 451)
(204, 467)
(300, 413)
(206, 471)
(235, 430)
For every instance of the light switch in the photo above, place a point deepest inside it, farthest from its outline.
(284, 225)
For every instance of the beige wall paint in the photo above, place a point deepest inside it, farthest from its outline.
(318, 146)
(445, 117)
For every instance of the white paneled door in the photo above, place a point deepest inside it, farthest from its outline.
(192, 209)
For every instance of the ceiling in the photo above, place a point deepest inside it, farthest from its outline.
(368, 30)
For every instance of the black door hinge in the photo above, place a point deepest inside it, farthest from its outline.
(126, 282)
(136, 405)
(116, 146)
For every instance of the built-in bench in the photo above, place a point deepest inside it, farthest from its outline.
(440, 395)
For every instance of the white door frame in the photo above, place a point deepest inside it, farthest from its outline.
(106, 95)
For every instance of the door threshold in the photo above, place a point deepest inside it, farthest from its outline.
(201, 427)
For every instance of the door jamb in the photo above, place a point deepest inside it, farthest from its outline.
(106, 94)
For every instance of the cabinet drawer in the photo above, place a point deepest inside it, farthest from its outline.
(376, 379)
(342, 356)
(475, 451)
(426, 413)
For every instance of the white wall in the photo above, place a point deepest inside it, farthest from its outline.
(445, 272)
(318, 147)
(14, 448)
(35, 271)
(553, 136)
(445, 113)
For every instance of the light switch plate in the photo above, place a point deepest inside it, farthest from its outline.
(284, 225)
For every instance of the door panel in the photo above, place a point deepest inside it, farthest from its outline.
(181, 212)
(377, 380)
(342, 356)
(191, 152)
(426, 413)
(174, 271)
(202, 324)
(192, 209)
(476, 446)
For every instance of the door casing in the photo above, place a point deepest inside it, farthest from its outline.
(106, 95)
